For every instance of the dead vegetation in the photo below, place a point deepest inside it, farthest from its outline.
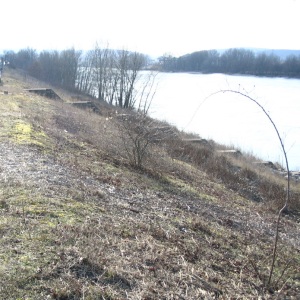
(81, 220)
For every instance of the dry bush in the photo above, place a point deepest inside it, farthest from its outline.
(139, 134)
(239, 174)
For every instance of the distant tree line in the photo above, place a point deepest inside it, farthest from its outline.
(108, 75)
(232, 61)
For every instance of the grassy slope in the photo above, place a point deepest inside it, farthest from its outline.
(77, 222)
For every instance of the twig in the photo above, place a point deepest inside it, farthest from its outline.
(284, 208)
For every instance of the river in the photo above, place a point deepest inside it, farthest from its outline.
(192, 103)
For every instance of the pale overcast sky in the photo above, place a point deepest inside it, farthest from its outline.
(153, 27)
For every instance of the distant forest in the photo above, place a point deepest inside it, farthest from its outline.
(233, 61)
(108, 75)
(113, 76)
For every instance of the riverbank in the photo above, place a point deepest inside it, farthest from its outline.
(79, 221)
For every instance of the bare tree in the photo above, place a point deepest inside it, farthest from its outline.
(147, 89)
(139, 133)
(113, 76)
(128, 65)
(101, 69)
(68, 67)
(84, 82)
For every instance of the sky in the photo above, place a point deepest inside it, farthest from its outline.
(154, 27)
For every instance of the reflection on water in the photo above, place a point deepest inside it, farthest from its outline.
(230, 119)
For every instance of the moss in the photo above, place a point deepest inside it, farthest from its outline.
(13, 106)
(183, 187)
(24, 133)
(207, 197)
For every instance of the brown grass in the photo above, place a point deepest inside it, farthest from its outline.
(79, 222)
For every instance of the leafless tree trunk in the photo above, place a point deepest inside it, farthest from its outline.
(85, 73)
(102, 68)
(68, 64)
(128, 66)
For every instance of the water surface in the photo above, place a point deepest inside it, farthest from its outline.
(192, 103)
